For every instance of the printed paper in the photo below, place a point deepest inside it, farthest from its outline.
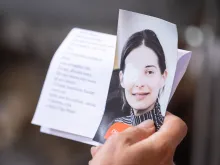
(75, 91)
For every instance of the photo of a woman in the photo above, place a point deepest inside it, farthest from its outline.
(142, 78)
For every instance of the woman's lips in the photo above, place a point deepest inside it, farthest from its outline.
(140, 96)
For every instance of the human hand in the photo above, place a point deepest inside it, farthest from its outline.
(141, 145)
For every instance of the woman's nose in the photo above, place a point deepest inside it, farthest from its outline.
(140, 82)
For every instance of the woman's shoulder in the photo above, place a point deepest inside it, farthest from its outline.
(118, 125)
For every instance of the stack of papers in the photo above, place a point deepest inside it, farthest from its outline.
(86, 99)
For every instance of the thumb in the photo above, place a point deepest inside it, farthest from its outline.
(139, 132)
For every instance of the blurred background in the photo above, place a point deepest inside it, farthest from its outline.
(30, 33)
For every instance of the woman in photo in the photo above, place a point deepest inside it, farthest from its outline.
(142, 77)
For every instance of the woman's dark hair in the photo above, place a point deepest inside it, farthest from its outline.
(150, 40)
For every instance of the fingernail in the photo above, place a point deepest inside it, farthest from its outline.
(146, 124)
(93, 148)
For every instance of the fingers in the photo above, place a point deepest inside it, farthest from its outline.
(138, 133)
(94, 150)
(167, 138)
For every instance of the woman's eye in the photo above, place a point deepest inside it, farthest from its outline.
(149, 72)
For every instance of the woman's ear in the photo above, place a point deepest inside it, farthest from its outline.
(164, 77)
(121, 77)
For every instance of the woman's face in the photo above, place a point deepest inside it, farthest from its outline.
(142, 78)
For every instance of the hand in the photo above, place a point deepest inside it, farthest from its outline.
(141, 145)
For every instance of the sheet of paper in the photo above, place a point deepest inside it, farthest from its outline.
(131, 24)
(182, 64)
(75, 90)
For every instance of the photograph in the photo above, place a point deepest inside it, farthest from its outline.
(141, 84)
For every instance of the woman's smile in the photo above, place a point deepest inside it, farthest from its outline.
(140, 95)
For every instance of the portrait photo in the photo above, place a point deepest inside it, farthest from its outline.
(141, 83)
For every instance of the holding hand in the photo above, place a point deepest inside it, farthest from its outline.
(141, 145)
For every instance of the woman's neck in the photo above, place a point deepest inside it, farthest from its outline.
(141, 112)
